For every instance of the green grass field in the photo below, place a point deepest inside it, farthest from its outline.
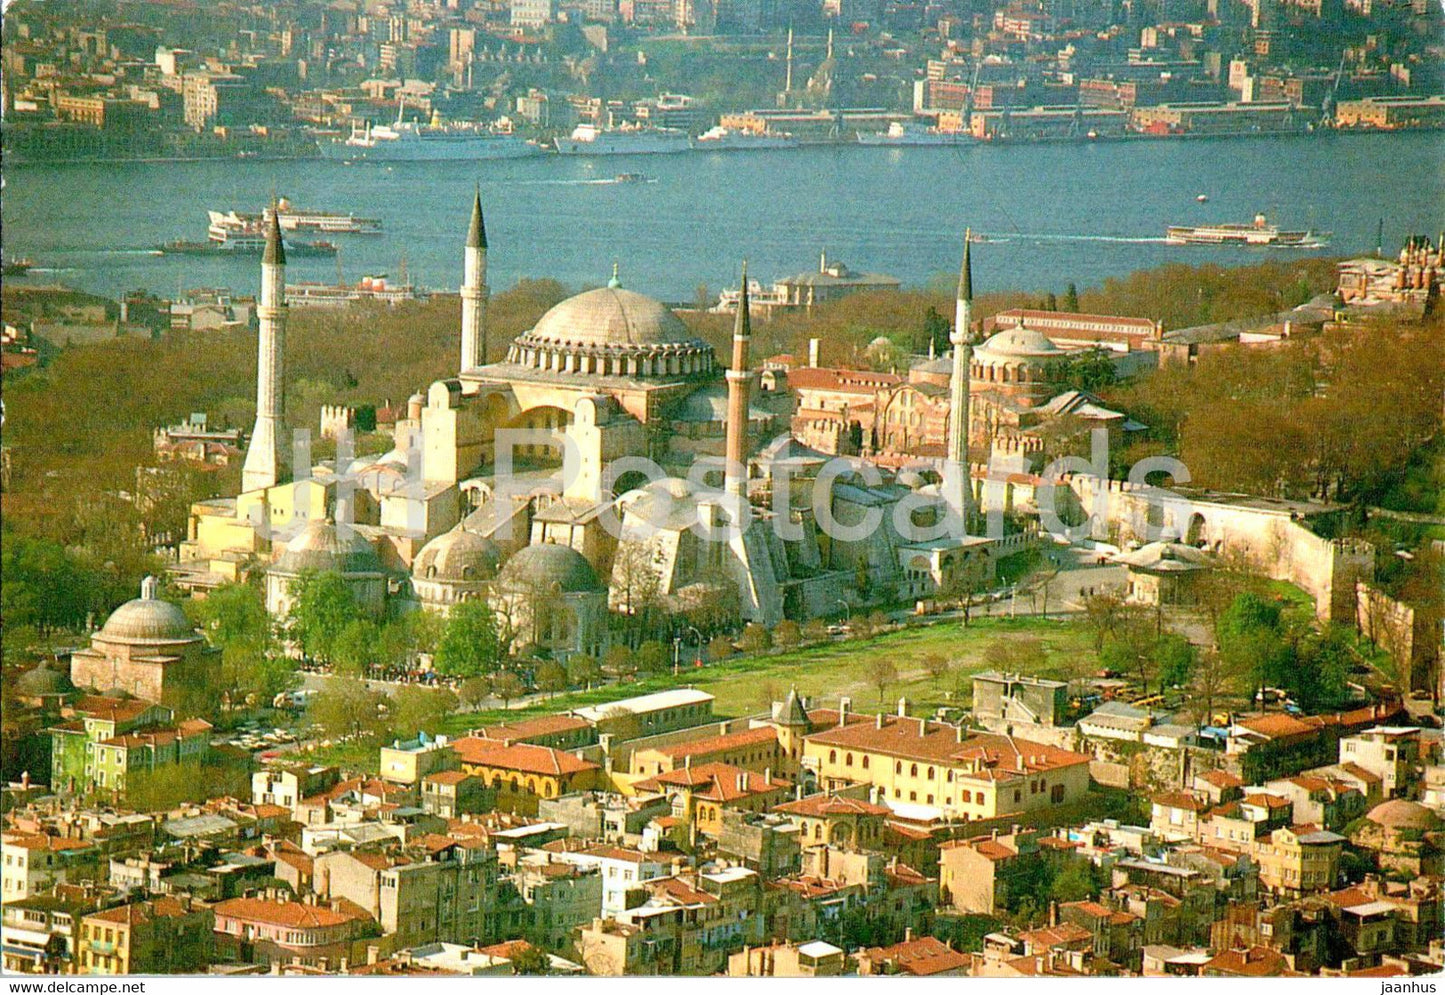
(745, 684)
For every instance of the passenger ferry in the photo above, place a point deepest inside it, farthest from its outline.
(244, 244)
(721, 139)
(899, 133)
(368, 288)
(1259, 233)
(295, 219)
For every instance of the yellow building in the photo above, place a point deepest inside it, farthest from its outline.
(1298, 860)
(523, 773)
(750, 749)
(702, 793)
(836, 820)
(163, 936)
(969, 776)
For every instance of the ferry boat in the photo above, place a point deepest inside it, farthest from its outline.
(368, 288)
(244, 244)
(722, 139)
(1258, 233)
(408, 141)
(899, 133)
(16, 266)
(588, 139)
(295, 219)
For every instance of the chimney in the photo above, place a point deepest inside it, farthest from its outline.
(908, 935)
(958, 730)
(813, 345)
(742, 780)
(373, 953)
(1053, 913)
(767, 775)
(903, 708)
(880, 720)
(844, 704)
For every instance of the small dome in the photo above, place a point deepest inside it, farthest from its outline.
(611, 316)
(148, 619)
(547, 565)
(457, 556)
(911, 479)
(1402, 814)
(325, 546)
(43, 680)
(1018, 343)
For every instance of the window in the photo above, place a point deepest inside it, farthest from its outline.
(848, 760)
(930, 773)
(1056, 794)
(913, 770)
(832, 756)
(865, 761)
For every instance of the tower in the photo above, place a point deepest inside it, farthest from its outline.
(958, 386)
(265, 464)
(735, 474)
(474, 291)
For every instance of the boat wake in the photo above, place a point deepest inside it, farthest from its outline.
(1063, 237)
(605, 181)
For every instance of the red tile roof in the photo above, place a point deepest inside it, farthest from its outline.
(523, 757)
(937, 742)
(825, 806)
(525, 729)
(715, 782)
(291, 914)
(720, 744)
(921, 957)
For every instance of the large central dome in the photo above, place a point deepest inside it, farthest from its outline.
(611, 316)
(612, 332)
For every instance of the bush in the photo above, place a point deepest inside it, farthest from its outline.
(720, 648)
(756, 638)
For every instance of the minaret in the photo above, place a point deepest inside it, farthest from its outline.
(265, 456)
(735, 475)
(474, 291)
(958, 385)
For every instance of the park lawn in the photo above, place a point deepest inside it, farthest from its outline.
(745, 684)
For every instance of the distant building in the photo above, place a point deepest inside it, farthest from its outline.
(802, 291)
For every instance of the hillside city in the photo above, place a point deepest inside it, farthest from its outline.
(108, 79)
(826, 625)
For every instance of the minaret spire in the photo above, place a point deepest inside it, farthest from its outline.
(956, 475)
(265, 464)
(738, 378)
(474, 290)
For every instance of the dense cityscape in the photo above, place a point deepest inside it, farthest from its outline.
(829, 624)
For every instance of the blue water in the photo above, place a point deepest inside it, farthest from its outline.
(1054, 213)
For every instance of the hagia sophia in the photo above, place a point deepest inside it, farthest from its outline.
(606, 374)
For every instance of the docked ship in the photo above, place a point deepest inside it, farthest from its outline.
(16, 266)
(722, 139)
(1258, 233)
(588, 139)
(409, 141)
(294, 219)
(899, 133)
(369, 288)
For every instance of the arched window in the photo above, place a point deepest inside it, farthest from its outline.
(848, 760)
(865, 761)
(913, 770)
(832, 756)
(930, 773)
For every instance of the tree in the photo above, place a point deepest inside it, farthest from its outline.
(787, 634)
(507, 685)
(355, 647)
(815, 630)
(755, 638)
(882, 674)
(346, 707)
(551, 676)
(474, 690)
(1176, 657)
(1321, 678)
(1103, 613)
(936, 329)
(652, 657)
(720, 648)
(525, 958)
(414, 709)
(1024, 655)
(322, 605)
(582, 669)
(937, 665)
(1252, 640)
(1071, 298)
(619, 660)
(234, 614)
(469, 645)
